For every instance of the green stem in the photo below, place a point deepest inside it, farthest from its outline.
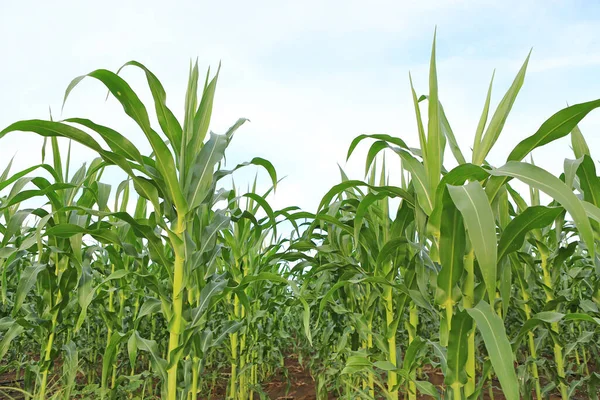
(558, 354)
(457, 395)
(177, 312)
(468, 302)
(370, 378)
(195, 371)
(531, 341)
(392, 380)
(234, 355)
(412, 333)
(50, 342)
(47, 355)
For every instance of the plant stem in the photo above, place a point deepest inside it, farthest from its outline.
(50, 342)
(468, 302)
(195, 365)
(412, 333)
(370, 378)
(234, 355)
(558, 355)
(177, 312)
(389, 317)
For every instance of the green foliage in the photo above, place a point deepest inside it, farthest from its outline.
(153, 288)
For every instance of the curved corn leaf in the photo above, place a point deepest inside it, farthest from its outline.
(478, 218)
(26, 282)
(494, 336)
(167, 121)
(452, 251)
(456, 373)
(134, 107)
(555, 188)
(535, 217)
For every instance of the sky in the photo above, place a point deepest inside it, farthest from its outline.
(309, 75)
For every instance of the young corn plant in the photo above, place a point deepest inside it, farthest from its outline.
(460, 223)
(167, 285)
(177, 181)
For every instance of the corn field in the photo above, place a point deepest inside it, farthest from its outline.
(465, 282)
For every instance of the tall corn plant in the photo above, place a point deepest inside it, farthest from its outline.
(176, 179)
(250, 259)
(460, 222)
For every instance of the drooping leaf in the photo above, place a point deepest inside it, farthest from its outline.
(498, 347)
(456, 373)
(535, 217)
(478, 217)
(538, 178)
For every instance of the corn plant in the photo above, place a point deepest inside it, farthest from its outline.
(178, 182)
(464, 219)
(417, 279)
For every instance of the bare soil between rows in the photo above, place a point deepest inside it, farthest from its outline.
(299, 385)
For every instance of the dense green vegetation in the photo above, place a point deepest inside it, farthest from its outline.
(175, 282)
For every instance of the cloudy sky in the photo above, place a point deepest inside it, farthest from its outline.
(310, 75)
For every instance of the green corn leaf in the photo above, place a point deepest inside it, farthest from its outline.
(208, 292)
(229, 328)
(540, 318)
(134, 107)
(159, 364)
(109, 356)
(435, 138)
(498, 347)
(206, 341)
(344, 186)
(202, 119)
(535, 217)
(456, 373)
(580, 147)
(410, 356)
(191, 102)
(258, 161)
(380, 137)
(420, 181)
(149, 306)
(555, 188)
(132, 350)
(482, 121)
(447, 131)
(6, 171)
(478, 218)
(557, 126)
(428, 389)
(494, 129)
(70, 366)
(26, 283)
(457, 176)
(592, 211)
(12, 332)
(200, 179)
(357, 363)
(570, 167)
(589, 181)
(421, 130)
(117, 142)
(166, 119)
(452, 251)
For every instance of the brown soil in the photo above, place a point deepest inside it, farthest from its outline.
(301, 385)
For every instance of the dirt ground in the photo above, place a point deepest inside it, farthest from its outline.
(301, 385)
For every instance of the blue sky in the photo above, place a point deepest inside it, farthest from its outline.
(310, 75)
